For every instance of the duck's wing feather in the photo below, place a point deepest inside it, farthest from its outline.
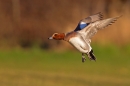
(85, 22)
(92, 29)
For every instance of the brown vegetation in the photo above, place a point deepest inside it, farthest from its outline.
(27, 22)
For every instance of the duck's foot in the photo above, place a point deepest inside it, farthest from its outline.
(83, 57)
(91, 56)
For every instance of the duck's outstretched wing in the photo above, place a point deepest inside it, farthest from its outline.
(85, 22)
(92, 29)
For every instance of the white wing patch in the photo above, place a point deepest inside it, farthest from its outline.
(82, 23)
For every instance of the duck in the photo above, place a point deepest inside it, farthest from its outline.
(81, 36)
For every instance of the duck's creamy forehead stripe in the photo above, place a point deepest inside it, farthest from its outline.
(54, 34)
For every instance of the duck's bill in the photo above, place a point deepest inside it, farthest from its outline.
(50, 38)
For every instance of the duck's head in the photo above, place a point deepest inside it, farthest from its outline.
(57, 36)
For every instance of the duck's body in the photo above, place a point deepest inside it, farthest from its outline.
(80, 38)
(80, 43)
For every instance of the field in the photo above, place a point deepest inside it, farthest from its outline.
(35, 67)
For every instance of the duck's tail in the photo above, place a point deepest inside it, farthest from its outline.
(91, 55)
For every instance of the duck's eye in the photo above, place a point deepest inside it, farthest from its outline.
(56, 34)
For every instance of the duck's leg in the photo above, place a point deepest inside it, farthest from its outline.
(83, 57)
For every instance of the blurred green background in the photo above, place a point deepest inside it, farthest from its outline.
(28, 58)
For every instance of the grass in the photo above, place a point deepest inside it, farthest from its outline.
(35, 67)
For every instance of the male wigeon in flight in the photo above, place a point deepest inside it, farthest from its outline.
(80, 38)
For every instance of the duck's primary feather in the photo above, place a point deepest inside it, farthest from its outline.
(92, 28)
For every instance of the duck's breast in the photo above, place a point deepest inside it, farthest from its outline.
(79, 44)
